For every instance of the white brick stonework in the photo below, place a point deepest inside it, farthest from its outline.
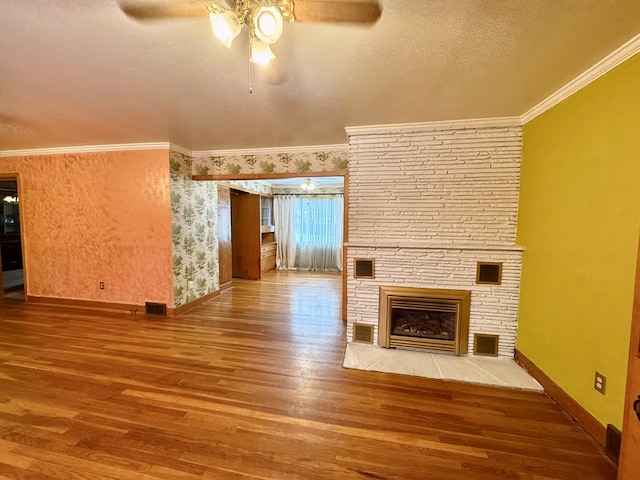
(427, 204)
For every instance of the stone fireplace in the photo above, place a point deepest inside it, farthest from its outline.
(428, 203)
(436, 320)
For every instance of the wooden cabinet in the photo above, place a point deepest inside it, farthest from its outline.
(266, 213)
(268, 257)
(224, 237)
(252, 236)
(268, 236)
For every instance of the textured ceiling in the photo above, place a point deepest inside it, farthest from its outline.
(80, 72)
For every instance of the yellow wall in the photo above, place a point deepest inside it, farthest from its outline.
(579, 219)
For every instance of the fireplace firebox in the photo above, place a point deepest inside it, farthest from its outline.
(424, 318)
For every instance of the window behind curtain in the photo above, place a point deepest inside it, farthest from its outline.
(316, 221)
(309, 232)
(318, 233)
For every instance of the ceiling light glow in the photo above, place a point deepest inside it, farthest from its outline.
(268, 24)
(260, 52)
(226, 26)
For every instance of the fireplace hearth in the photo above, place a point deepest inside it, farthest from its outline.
(436, 320)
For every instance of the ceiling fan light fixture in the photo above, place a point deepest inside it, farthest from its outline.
(226, 26)
(260, 52)
(267, 24)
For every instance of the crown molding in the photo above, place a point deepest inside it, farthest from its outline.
(426, 126)
(611, 61)
(273, 150)
(179, 149)
(170, 146)
(604, 66)
(86, 149)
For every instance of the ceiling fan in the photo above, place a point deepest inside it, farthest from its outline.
(263, 18)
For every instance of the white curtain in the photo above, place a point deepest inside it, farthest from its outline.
(309, 232)
(284, 218)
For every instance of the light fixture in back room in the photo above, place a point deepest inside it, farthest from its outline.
(308, 185)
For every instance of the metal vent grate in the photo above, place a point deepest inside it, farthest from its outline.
(151, 308)
(489, 273)
(612, 445)
(484, 344)
(362, 333)
(364, 268)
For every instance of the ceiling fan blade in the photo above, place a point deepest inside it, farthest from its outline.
(163, 10)
(336, 11)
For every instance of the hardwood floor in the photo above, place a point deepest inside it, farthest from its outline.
(250, 386)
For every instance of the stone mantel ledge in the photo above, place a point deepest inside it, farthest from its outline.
(362, 243)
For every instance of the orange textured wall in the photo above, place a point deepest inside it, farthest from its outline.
(96, 217)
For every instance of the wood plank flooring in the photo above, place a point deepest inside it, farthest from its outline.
(250, 386)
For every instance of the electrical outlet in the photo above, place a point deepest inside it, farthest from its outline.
(101, 285)
(190, 285)
(600, 383)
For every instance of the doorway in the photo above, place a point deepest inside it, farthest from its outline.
(12, 280)
(260, 256)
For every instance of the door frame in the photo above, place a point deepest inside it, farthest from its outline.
(16, 177)
(628, 456)
(345, 213)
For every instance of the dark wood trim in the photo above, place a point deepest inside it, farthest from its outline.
(344, 284)
(174, 312)
(267, 176)
(345, 239)
(124, 307)
(629, 461)
(226, 286)
(587, 421)
(88, 304)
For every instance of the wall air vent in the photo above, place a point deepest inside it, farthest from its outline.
(612, 446)
(363, 268)
(362, 333)
(489, 273)
(159, 309)
(486, 345)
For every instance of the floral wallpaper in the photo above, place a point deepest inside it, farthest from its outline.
(194, 208)
(301, 162)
